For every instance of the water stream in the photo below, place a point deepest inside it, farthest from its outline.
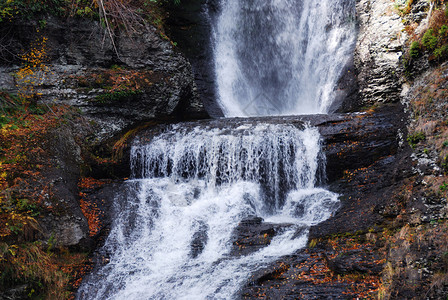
(281, 57)
(200, 183)
(173, 235)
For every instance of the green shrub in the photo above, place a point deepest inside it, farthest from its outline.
(6, 11)
(445, 164)
(27, 9)
(429, 40)
(415, 49)
(443, 30)
(441, 52)
(415, 138)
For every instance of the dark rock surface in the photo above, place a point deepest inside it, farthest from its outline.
(347, 90)
(79, 51)
(253, 234)
(300, 276)
(199, 241)
(65, 222)
(355, 261)
(189, 26)
(366, 163)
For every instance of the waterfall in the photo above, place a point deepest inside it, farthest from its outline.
(281, 57)
(177, 219)
(195, 185)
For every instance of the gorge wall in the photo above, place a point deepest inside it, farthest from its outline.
(388, 238)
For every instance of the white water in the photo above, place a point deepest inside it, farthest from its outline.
(205, 181)
(173, 230)
(281, 57)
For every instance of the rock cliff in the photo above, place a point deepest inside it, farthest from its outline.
(144, 78)
(380, 45)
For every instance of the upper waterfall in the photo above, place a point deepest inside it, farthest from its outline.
(281, 57)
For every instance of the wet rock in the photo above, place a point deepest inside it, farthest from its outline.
(347, 91)
(360, 140)
(300, 276)
(189, 25)
(350, 141)
(356, 261)
(199, 241)
(253, 234)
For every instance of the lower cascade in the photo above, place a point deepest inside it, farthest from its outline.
(173, 235)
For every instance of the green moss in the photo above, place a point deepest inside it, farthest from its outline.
(445, 164)
(443, 31)
(312, 243)
(11, 105)
(116, 96)
(435, 41)
(28, 9)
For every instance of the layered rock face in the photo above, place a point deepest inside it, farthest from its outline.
(189, 26)
(140, 77)
(380, 45)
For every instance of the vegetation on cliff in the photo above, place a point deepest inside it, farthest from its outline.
(33, 262)
(427, 39)
(428, 132)
(40, 268)
(417, 254)
(112, 13)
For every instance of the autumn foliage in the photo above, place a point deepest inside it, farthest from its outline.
(90, 208)
(34, 69)
(23, 191)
